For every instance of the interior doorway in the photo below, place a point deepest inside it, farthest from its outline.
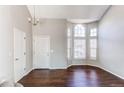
(19, 54)
(42, 52)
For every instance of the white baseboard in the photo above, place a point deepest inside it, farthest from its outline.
(106, 70)
(24, 75)
(68, 66)
(76, 65)
(28, 72)
(113, 73)
(58, 68)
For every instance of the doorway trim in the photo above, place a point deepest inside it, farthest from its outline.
(22, 36)
(35, 57)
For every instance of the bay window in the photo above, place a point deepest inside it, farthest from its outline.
(82, 42)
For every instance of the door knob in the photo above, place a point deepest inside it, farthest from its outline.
(17, 59)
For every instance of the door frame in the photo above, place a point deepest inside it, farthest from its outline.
(35, 58)
(23, 49)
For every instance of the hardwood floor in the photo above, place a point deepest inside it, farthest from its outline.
(74, 76)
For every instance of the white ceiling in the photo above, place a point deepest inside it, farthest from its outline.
(73, 13)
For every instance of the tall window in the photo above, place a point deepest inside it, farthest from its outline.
(79, 31)
(82, 42)
(79, 42)
(68, 43)
(93, 43)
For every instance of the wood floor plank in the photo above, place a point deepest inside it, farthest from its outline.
(74, 76)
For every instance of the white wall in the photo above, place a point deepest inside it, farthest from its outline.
(10, 17)
(56, 29)
(111, 41)
(6, 48)
(20, 16)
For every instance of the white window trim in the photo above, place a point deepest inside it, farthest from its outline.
(87, 38)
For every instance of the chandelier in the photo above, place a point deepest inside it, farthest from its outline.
(34, 21)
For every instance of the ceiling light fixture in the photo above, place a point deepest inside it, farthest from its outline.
(34, 21)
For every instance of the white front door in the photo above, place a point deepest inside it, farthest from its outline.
(19, 54)
(42, 50)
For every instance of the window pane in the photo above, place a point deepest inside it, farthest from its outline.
(92, 53)
(79, 31)
(79, 49)
(68, 32)
(68, 47)
(93, 32)
(93, 43)
(68, 53)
